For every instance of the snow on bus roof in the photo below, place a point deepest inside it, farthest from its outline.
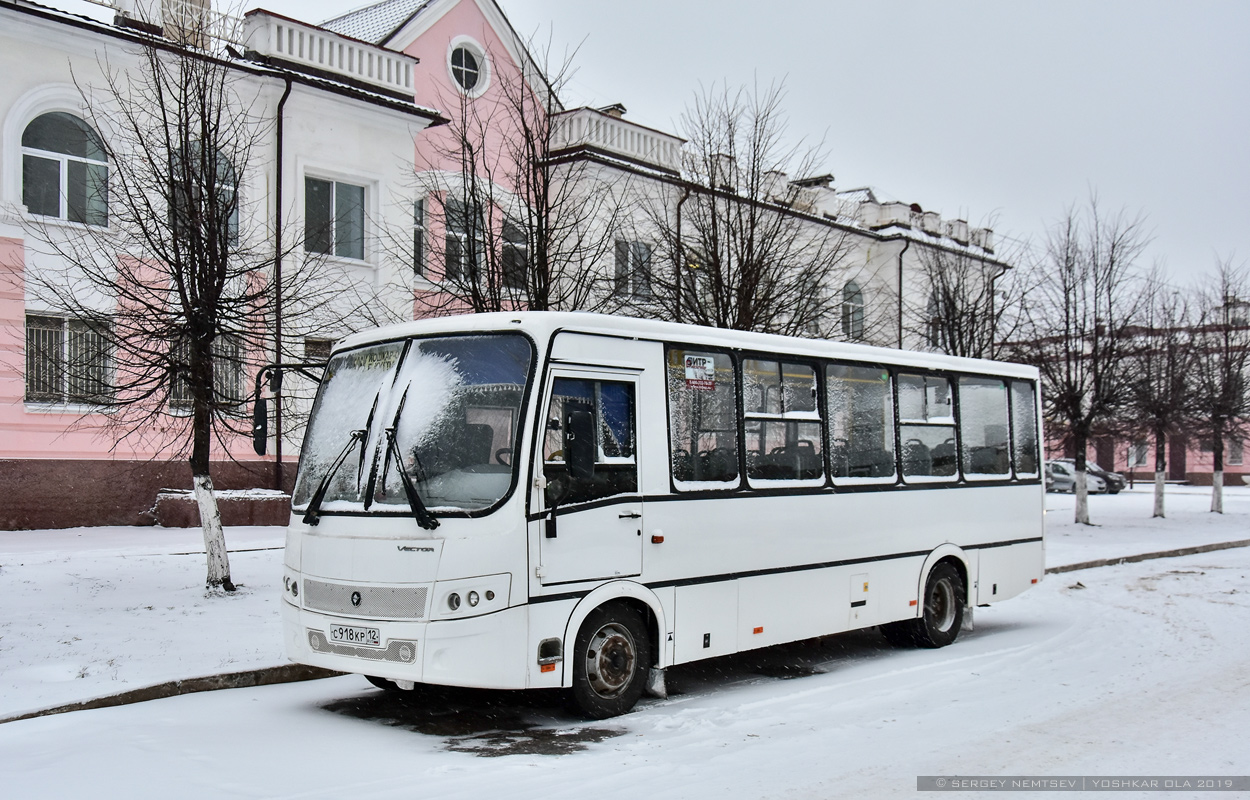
(541, 325)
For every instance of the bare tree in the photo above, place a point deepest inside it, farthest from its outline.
(524, 225)
(974, 304)
(1222, 399)
(1075, 333)
(743, 249)
(1162, 362)
(169, 279)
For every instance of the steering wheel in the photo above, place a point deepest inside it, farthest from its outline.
(500, 453)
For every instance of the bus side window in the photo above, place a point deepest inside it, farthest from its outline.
(703, 420)
(927, 426)
(861, 423)
(615, 470)
(983, 426)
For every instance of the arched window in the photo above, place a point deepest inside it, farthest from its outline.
(852, 311)
(64, 169)
(205, 196)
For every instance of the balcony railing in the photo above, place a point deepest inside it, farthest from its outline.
(588, 127)
(322, 50)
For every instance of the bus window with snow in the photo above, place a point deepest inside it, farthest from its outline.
(703, 413)
(861, 424)
(438, 416)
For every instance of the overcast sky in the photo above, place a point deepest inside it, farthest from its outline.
(999, 112)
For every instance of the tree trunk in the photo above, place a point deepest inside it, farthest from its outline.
(210, 515)
(1217, 474)
(1161, 465)
(1081, 488)
(214, 536)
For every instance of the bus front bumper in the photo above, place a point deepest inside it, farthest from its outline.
(489, 651)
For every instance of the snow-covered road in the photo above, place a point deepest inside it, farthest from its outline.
(1135, 669)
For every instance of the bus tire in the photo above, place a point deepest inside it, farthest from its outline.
(941, 616)
(610, 661)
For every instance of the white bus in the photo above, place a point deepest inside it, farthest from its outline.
(576, 501)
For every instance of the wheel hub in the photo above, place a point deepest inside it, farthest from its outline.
(611, 658)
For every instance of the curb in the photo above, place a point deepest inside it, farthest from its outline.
(291, 673)
(288, 673)
(1183, 551)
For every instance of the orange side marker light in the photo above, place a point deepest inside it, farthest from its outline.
(759, 630)
(911, 602)
(547, 668)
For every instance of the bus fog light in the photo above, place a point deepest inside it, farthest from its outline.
(473, 598)
(453, 601)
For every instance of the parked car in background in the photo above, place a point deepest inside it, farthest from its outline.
(1061, 477)
(1114, 480)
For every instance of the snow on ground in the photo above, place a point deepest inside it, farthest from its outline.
(96, 611)
(1137, 669)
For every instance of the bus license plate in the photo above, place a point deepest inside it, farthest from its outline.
(360, 637)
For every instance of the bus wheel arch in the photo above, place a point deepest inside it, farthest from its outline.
(624, 603)
(943, 593)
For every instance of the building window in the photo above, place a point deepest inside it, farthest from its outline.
(67, 360)
(227, 374)
(633, 269)
(1235, 452)
(64, 170)
(201, 203)
(463, 250)
(852, 311)
(418, 237)
(334, 218)
(317, 350)
(515, 256)
(465, 68)
(468, 66)
(1138, 453)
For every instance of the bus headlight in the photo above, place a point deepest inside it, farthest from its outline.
(470, 597)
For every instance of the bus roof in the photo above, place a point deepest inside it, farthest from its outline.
(541, 325)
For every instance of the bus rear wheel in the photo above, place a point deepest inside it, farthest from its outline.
(942, 615)
(610, 661)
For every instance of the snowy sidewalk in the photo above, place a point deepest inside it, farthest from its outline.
(96, 611)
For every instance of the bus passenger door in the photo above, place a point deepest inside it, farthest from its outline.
(592, 512)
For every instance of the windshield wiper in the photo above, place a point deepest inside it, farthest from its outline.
(424, 518)
(312, 515)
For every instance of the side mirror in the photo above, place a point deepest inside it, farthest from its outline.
(579, 440)
(260, 424)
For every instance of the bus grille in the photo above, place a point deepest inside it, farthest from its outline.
(382, 602)
(404, 652)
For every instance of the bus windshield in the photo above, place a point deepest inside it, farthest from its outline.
(443, 410)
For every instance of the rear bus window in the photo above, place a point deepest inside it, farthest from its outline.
(861, 424)
(703, 420)
(1024, 429)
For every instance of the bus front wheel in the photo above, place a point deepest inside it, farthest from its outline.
(943, 613)
(610, 661)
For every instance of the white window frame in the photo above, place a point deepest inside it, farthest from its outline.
(63, 377)
(63, 161)
(368, 188)
(474, 47)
